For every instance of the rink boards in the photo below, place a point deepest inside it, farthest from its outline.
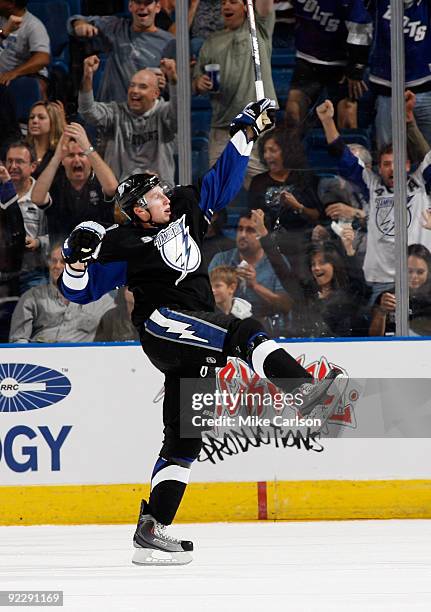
(80, 427)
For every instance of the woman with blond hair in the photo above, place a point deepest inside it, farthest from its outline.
(46, 124)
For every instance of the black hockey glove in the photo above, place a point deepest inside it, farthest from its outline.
(356, 72)
(83, 244)
(259, 116)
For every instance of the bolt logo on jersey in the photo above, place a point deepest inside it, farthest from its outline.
(385, 221)
(178, 249)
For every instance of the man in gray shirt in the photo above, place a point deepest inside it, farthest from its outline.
(132, 44)
(230, 48)
(20, 163)
(24, 42)
(140, 133)
(44, 315)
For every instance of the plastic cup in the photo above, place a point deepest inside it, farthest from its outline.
(213, 71)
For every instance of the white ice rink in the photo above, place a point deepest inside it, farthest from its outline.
(324, 566)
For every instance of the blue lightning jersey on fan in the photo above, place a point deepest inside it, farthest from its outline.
(163, 266)
(326, 29)
(379, 263)
(417, 42)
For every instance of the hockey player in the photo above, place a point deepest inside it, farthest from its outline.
(158, 255)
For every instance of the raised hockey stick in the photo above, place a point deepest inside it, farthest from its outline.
(255, 51)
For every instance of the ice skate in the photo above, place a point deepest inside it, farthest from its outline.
(321, 397)
(154, 546)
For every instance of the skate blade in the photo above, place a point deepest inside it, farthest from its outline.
(153, 556)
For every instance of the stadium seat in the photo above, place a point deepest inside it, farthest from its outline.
(26, 91)
(97, 79)
(75, 7)
(317, 149)
(317, 152)
(54, 15)
(321, 162)
(200, 161)
(236, 208)
(316, 138)
(201, 102)
(282, 78)
(283, 58)
(325, 175)
(357, 136)
(280, 114)
(232, 221)
(201, 122)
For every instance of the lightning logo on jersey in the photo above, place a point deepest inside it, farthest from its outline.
(184, 331)
(385, 221)
(178, 249)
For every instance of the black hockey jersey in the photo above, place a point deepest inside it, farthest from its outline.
(164, 266)
(332, 32)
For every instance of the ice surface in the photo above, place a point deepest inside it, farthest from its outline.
(325, 566)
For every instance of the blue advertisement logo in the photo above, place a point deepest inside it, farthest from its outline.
(29, 387)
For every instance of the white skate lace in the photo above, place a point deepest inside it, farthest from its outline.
(160, 532)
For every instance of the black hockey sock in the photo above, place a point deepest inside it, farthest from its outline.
(270, 361)
(168, 483)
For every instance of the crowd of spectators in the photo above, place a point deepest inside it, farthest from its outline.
(308, 247)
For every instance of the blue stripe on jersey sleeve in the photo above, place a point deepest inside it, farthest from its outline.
(8, 194)
(222, 183)
(97, 280)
